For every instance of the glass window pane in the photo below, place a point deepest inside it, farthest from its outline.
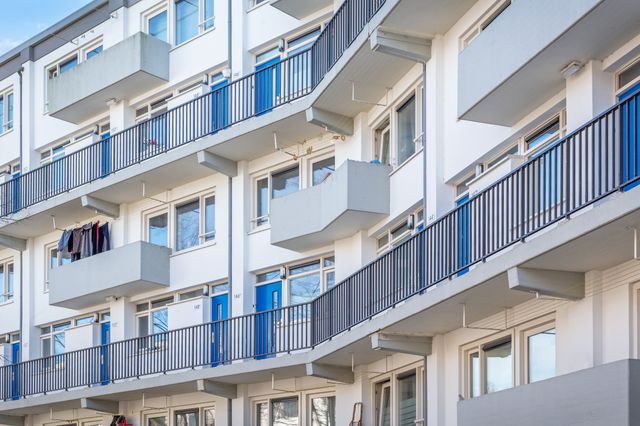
(158, 26)
(46, 347)
(187, 418)
(548, 134)
(160, 321)
(158, 231)
(384, 418)
(323, 411)
(10, 111)
(474, 374)
(267, 276)
(407, 400)
(210, 417)
(406, 130)
(323, 169)
(61, 327)
(58, 343)
(208, 14)
(210, 218)
(2, 123)
(262, 201)
(143, 326)
(157, 421)
(222, 288)
(161, 302)
(262, 414)
(84, 320)
(331, 279)
(285, 182)
(186, 20)
(187, 225)
(307, 267)
(93, 52)
(304, 289)
(284, 412)
(542, 355)
(499, 367)
(67, 65)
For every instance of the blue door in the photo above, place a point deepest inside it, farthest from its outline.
(219, 331)
(16, 192)
(220, 105)
(268, 300)
(15, 371)
(105, 153)
(267, 85)
(630, 150)
(464, 246)
(105, 332)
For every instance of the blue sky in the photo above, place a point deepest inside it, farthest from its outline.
(22, 19)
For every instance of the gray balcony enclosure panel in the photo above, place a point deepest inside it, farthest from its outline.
(125, 271)
(604, 395)
(505, 47)
(300, 8)
(355, 197)
(125, 70)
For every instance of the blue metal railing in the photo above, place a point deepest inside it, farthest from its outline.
(255, 94)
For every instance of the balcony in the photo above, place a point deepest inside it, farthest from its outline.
(601, 395)
(300, 9)
(128, 69)
(515, 62)
(354, 198)
(141, 267)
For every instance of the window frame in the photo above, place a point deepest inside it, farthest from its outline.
(390, 379)
(394, 241)
(315, 160)
(202, 234)
(7, 110)
(309, 402)
(147, 216)
(525, 335)
(322, 271)
(148, 313)
(482, 23)
(48, 249)
(6, 296)
(153, 13)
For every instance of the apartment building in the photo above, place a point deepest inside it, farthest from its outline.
(317, 212)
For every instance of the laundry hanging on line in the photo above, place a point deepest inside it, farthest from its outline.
(85, 241)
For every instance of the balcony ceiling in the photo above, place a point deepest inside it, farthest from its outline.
(603, 30)
(300, 9)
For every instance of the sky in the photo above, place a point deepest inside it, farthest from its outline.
(22, 19)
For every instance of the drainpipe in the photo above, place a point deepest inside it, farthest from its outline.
(230, 202)
(424, 143)
(20, 132)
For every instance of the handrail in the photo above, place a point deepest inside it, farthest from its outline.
(252, 95)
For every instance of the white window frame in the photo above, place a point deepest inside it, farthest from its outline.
(7, 297)
(311, 396)
(58, 363)
(394, 241)
(201, 22)
(152, 13)
(7, 125)
(519, 357)
(148, 314)
(390, 380)
(313, 160)
(49, 155)
(620, 89)
(48, 261)
(202, 235)
(150, 214)
(322, 270)
(562, 127)
(483, 22)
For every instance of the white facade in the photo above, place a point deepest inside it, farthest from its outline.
(520, 274)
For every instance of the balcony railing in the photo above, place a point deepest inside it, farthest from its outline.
(589, 164)
(252, 95)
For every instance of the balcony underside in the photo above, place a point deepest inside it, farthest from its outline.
(596, 35)
(300, 9)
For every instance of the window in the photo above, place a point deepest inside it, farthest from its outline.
(276, 185)
(323, 410)
(6, 111)
(157, 26)
(400, 233)
(262, 201)
(308, 280)
(284, 412)
(7, 281)
(541, 354)
(382, 143)
(483, 22)
(52, 340)
(383, 404)
(321, 170)
(190, 294)
(285, 182)
(52, 154)
(192, 18)
(153, 318)
(407, 400)
(491, 366)
(549, 133)
(406, 130)
(187, 417)
(209, 417)
(55, 259)
(301, 43)
(84, 320)
(94, 51)
(157, 420)
(158, 229)
(192, 228)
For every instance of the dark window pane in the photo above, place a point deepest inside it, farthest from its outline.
(285, 182)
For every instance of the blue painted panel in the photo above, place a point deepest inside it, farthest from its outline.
(220, 332)
(464, 246)
(105, 152)
(267, 82)
(15, 371)
(630, 150)
(220, 106)
(105, 333)
(268, 299)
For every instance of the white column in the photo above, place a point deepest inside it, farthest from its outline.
(121, 115)
(352, 253)
(122, 320)
(588, 92)
(241, 280)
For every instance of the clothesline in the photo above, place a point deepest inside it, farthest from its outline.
(85, 241)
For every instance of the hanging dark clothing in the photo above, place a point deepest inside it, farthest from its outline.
(104, 239)
(76, 243)
(94, 238)
(86, 247)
